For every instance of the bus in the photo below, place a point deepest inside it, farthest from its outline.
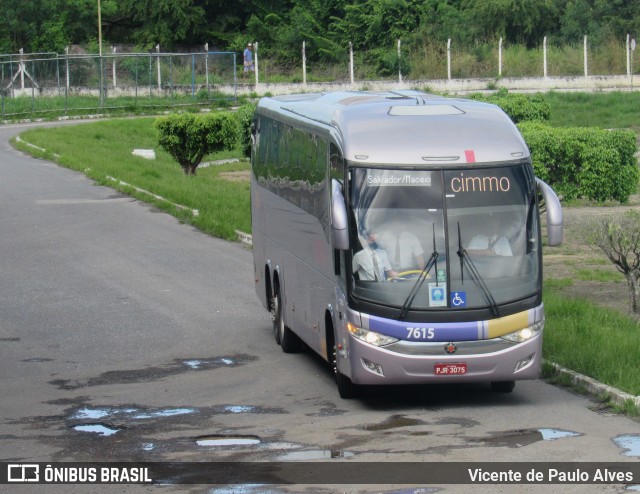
(376, 218)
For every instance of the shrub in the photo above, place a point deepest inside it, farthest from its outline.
(245, 119)
(519, 107)
(577, 162)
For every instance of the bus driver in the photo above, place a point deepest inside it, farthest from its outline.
(372, 262)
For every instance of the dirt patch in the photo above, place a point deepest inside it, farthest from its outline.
(239, 176)
(588, 273)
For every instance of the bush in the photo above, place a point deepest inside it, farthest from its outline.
(245, 119)
(188, 138)
(519, 107)
(577, 162)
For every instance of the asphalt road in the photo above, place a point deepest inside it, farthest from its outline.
(127, 336)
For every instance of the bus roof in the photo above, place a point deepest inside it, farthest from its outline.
(405, 127)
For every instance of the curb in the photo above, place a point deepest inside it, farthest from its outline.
(597, 388)
(245, 238)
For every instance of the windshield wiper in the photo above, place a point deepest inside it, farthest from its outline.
(474, 274)
(433, 261)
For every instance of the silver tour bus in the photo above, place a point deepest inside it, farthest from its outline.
(397, 234)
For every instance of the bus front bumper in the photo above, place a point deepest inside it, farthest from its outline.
(406, 363)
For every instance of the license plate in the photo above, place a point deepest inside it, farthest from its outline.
(450, 369)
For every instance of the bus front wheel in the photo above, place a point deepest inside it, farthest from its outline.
(346, 388)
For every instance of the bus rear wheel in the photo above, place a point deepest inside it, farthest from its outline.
(286, 338)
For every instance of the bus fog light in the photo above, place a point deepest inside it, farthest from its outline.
(372, 367)
(524, 334)
(370, 337)
(523, 363)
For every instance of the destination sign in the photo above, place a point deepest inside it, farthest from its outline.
(398, 178)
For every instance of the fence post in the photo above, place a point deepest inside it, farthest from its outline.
(586, 71)
(159, 76)
(115, 80)
(544, 56)
(193, 75)
(633, 49)
(22, 69)
(351, 61)
(449, 59)
(255, 45)
(66, 53)
(500, 58)
(399, 62)
(304, 63)
(628, 56)
(206, 66)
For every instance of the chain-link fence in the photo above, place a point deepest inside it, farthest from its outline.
(48, 82)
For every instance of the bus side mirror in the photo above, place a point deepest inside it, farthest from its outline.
(554, 213)
(339, 217)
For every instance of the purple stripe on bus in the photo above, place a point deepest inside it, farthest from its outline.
(462, 331)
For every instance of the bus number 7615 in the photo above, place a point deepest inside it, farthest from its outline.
(420, 333)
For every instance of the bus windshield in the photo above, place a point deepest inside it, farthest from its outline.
(444, 239)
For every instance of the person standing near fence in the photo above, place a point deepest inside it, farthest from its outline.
(248, 59)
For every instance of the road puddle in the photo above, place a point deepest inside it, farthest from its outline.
(217, 441)
(315, 454)
(393, 422)
(169, 412)
(630, 443)
(553, 434)
(520, 438)
(246, 489)
(200, 364)
(99, 429)
(88, 413)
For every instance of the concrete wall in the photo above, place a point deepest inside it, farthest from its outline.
(453, 86)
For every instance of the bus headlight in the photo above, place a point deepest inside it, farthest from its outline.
(370, 337)
(524, 334)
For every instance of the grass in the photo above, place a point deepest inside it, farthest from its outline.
(143, 104)
(608, 110)
(600, 343)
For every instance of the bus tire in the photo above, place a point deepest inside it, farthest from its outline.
(286, 338)
(503, 386)
(276, 315)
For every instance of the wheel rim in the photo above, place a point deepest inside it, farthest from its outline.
(276, 316)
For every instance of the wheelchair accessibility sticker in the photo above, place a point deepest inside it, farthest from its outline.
(458, 299)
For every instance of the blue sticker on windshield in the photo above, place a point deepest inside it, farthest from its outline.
(437, 295)
(458, 299)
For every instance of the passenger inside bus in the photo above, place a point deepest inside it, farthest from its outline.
(492, 242)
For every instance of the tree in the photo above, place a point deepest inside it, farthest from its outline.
(619, 238)
(48, 25)
(188, 138)
(166, 22)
